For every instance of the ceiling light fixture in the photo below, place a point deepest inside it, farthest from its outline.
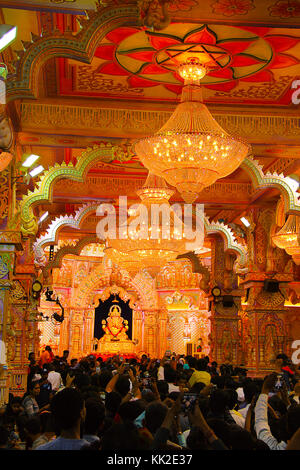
(191, 151)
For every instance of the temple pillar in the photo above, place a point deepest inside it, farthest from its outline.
(266, 331)
(225, 340)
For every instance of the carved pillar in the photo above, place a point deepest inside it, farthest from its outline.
(76, 333)
(150, 332)
(265, 324)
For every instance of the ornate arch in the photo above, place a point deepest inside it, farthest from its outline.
(229, 239)
(103, 277)
(262, 181)
(51, 235)
(80, 47)
(69, 250)
(105, 152)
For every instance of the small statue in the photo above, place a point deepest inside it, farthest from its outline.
(155, 14)
(115, 326)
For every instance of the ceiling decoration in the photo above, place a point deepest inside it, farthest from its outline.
(134, 62)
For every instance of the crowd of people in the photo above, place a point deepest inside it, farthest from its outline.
(178, 403)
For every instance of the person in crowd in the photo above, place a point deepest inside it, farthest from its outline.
(199, 372)
(46, 393)
(30, 403)
(47, 356)
(54, 378)
(65, 356)
(68, 409)
(34, 435)
(94, 420)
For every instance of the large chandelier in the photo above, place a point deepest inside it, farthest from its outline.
(137, 250)
(191, 151)
(288, 237)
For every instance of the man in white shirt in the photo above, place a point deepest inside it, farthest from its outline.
(54, 378)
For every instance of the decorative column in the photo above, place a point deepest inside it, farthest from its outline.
(23, 324)
(266, 331)
(225, 332)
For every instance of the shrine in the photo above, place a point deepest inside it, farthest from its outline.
(187, 107)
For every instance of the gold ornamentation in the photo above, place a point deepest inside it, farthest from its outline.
(4, 193)
(191, 151)
(133, 122)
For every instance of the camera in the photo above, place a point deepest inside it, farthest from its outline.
(188, 402)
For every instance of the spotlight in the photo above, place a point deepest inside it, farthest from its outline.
(293, 181)
(36, 171)
(43, 217)
(245, 221)
(30, 160)
(8, 34)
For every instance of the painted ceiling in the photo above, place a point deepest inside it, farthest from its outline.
(246, 65)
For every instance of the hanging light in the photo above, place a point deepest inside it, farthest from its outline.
(141, 250)
(191, 151)
(288, 237)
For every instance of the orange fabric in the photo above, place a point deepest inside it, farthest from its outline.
(45, 358)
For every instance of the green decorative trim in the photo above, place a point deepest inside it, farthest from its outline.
(104, 152)
(229, 238)
(262, 181)
(80, 47)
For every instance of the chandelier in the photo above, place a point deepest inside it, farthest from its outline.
(191, 151)
(288, 237)
(139, 249)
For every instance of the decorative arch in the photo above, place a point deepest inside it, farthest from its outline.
(105, 152)
(80, 47)
(69, 250)
(291, 198)
(229, 239)
(103, 277)
(51, 235)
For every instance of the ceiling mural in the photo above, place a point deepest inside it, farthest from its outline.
(250, 65)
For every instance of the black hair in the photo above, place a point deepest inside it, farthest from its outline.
(293, 420)
(95, 414)
(192, 362)
(130, 410)
(122, 385)
(218, 401)
(163, 388)
(155, 414)
(66, 407)
(33, 425)
(170, 374)
(104, 378)
(232, 398)
(4, 435)
(112, 402)
(121, 436)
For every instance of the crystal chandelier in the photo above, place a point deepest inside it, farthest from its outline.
(288, 237)
(138, 250)
(191, 151)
